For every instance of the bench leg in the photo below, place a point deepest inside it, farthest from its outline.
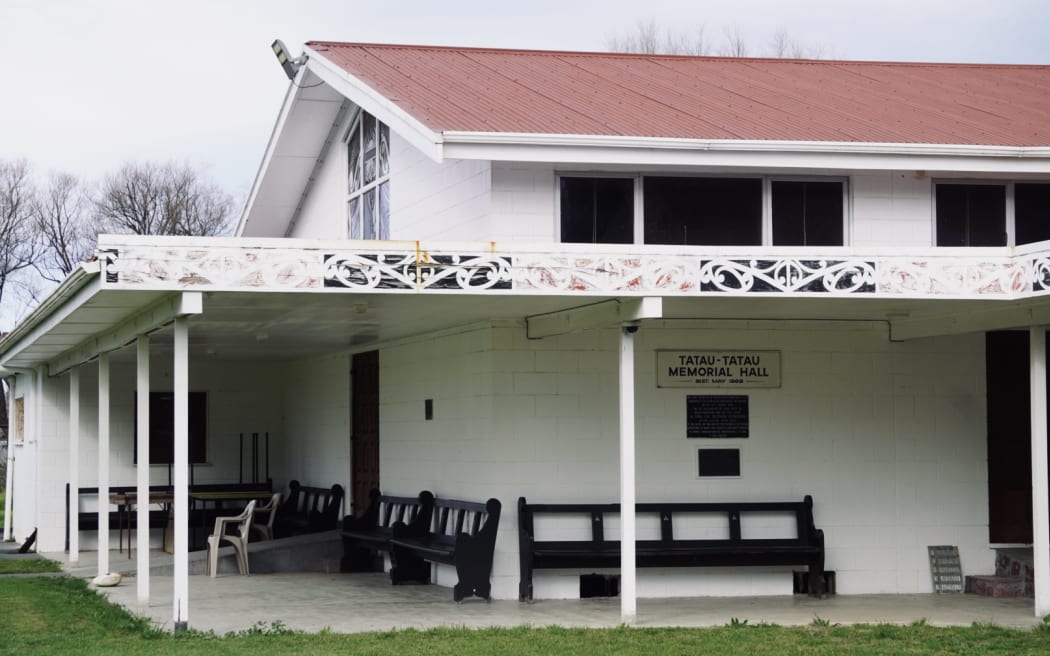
(407, 567)
(525, 582)
(359, 559)
(816, 578)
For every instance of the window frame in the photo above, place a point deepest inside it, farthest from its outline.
(355, 130)
(767, 199)
(1011, 233)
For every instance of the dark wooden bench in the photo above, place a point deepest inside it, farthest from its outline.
(806, 548)
(461, 533)
(366, 536)
(308, 510)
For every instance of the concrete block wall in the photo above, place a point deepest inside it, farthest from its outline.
(887, 437)
(523, 203)
(892, 208)
(244, 396)
(317, 423)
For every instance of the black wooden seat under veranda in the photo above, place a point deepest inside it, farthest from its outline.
(462, 534)
(367, 536)
(595, 551)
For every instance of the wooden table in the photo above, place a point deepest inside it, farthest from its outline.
(125, 501)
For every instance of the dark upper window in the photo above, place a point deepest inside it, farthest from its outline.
(597, 210)
(807, 213)
(971, 214)
(1031, 212)
(703, 211)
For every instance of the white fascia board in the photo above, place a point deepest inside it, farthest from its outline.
(290, 96)
(994, 317)
(375, 103)
(652, 151)
(78, 288)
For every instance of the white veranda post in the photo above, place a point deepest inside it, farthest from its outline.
(74, 465)
(180, 383)
(628, 591)
(142, 471)
(1040, 503)
(103, 464)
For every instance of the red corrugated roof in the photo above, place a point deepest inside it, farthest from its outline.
(489, 90)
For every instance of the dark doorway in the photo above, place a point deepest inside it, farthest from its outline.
(1009, 437)
(364, 438)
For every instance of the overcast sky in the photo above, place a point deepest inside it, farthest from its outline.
(89, 84)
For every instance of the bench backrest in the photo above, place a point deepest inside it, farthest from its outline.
(454, 516)
(320, 504)
(807, 534)
(385, 511)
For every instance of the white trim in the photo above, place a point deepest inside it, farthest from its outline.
(375, 103)
(628, 534)
(78, 288)
(180, 387)
(452, 137)
(142, 467)
(724, 157)
(154, 316)
(74, 466)
(103, 464)
(1040, 505)
(291, 95)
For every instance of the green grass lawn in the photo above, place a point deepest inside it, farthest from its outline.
(41, 615)
(28, 566)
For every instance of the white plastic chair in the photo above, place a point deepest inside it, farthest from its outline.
(239, 542)
(269, 511)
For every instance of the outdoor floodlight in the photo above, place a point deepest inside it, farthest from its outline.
(290, 66)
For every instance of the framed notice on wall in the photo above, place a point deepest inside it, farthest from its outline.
(736, 369)
(717, 416)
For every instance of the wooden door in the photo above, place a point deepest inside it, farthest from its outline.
(364, 438)
(1009, 437)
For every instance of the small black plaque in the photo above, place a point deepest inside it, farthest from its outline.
(718, 462)
(717, 416)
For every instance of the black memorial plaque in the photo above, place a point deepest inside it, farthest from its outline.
(717, 416)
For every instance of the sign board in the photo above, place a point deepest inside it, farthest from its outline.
(945, 569)
(718, 369)
(716, 416)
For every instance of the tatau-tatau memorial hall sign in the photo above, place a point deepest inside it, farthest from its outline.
(718, 368)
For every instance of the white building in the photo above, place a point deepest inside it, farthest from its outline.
(467, 232)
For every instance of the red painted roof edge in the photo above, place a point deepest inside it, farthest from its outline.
(625, 55)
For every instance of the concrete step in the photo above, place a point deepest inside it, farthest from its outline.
(1017, 562)
(995, 586)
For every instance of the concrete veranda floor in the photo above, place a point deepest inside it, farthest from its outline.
(367, 602)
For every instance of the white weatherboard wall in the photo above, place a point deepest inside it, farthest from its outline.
(429, 200)
(317, 423)
(324, 213)
(887, 437)
(243, 396)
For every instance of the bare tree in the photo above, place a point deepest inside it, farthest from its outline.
(644, 40)
(735, 44)
(784, 45)
(18, 239)
(162, 199)
(647, 38)
(64, 226)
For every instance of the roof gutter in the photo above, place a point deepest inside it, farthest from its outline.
(74, 282)
(742, 145)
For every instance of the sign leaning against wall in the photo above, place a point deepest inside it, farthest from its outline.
(733, 369)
